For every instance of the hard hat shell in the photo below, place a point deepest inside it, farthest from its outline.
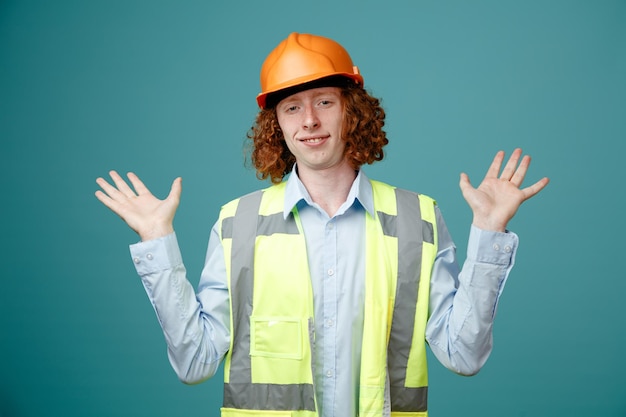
(302, 58)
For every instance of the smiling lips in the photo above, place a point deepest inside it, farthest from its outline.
(313, 140)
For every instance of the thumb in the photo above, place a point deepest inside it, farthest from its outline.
(176, 190)
(464, 182)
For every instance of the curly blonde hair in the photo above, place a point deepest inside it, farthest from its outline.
(362, 131)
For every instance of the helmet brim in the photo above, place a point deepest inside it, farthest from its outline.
(270, 98)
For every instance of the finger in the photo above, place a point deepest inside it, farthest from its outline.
(520, 172)
(511, 165)
(110, 203)
(494, 168)
(110, 190)
(102, 197)
(176, 190)
(139, 186)
(532, 190)
(464, 183)
(121, 185)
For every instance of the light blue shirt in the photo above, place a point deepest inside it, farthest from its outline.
(462, 302)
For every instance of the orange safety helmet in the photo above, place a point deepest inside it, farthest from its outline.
(302, 58)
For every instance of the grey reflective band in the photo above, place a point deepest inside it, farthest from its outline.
(240, 392)
(276, 223)
(390, 227)
(248, 396)
(241, 281)
(388, 223)
(410, 230)
(428, 233)
(266, 225)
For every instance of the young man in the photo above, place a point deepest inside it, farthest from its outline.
(321, 290)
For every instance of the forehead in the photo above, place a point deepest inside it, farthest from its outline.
(313, 93)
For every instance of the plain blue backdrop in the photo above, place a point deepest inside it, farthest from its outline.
(167, 88)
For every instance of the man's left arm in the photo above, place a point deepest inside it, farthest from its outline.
(463, 303)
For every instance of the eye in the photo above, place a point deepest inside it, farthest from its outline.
(289, 108)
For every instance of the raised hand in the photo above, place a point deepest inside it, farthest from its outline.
(150, 217)
(497, 199)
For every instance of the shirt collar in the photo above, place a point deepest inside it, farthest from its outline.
(361, 191)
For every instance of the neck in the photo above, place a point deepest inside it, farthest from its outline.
(328, 188)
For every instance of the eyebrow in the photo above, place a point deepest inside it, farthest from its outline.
(315, 95)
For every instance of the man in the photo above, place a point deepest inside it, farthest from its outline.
(320, 290)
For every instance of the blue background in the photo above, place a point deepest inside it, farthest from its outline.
(167, 88)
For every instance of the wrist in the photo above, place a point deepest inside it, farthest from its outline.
(489, 225)
(156, 232)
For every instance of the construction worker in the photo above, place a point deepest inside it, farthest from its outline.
(322, 290)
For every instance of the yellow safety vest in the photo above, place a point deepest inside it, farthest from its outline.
(269, 366)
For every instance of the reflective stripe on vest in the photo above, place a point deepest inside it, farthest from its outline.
(409, 227)
(239, 391)
(411, 234)
(257, 216)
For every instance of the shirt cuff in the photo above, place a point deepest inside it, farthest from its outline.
(491, 247)
(156, 255)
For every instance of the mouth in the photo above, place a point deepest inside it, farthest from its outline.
(313, 140)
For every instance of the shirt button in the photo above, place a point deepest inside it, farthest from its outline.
(496, 247)
(507, 249)
(329, 323)
(136, 260)
(329, 373)
(149, 256)
(331, 272)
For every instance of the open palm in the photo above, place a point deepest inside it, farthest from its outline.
(497, 198)
(143, 212)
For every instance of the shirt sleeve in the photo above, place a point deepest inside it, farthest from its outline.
(463, 302)
(195, 325)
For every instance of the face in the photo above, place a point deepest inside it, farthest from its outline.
(311, 122)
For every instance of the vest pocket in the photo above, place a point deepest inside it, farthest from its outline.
(276, 337)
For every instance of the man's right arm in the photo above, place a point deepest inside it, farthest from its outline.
(195, 326)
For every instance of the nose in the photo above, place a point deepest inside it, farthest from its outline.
(311, 120)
